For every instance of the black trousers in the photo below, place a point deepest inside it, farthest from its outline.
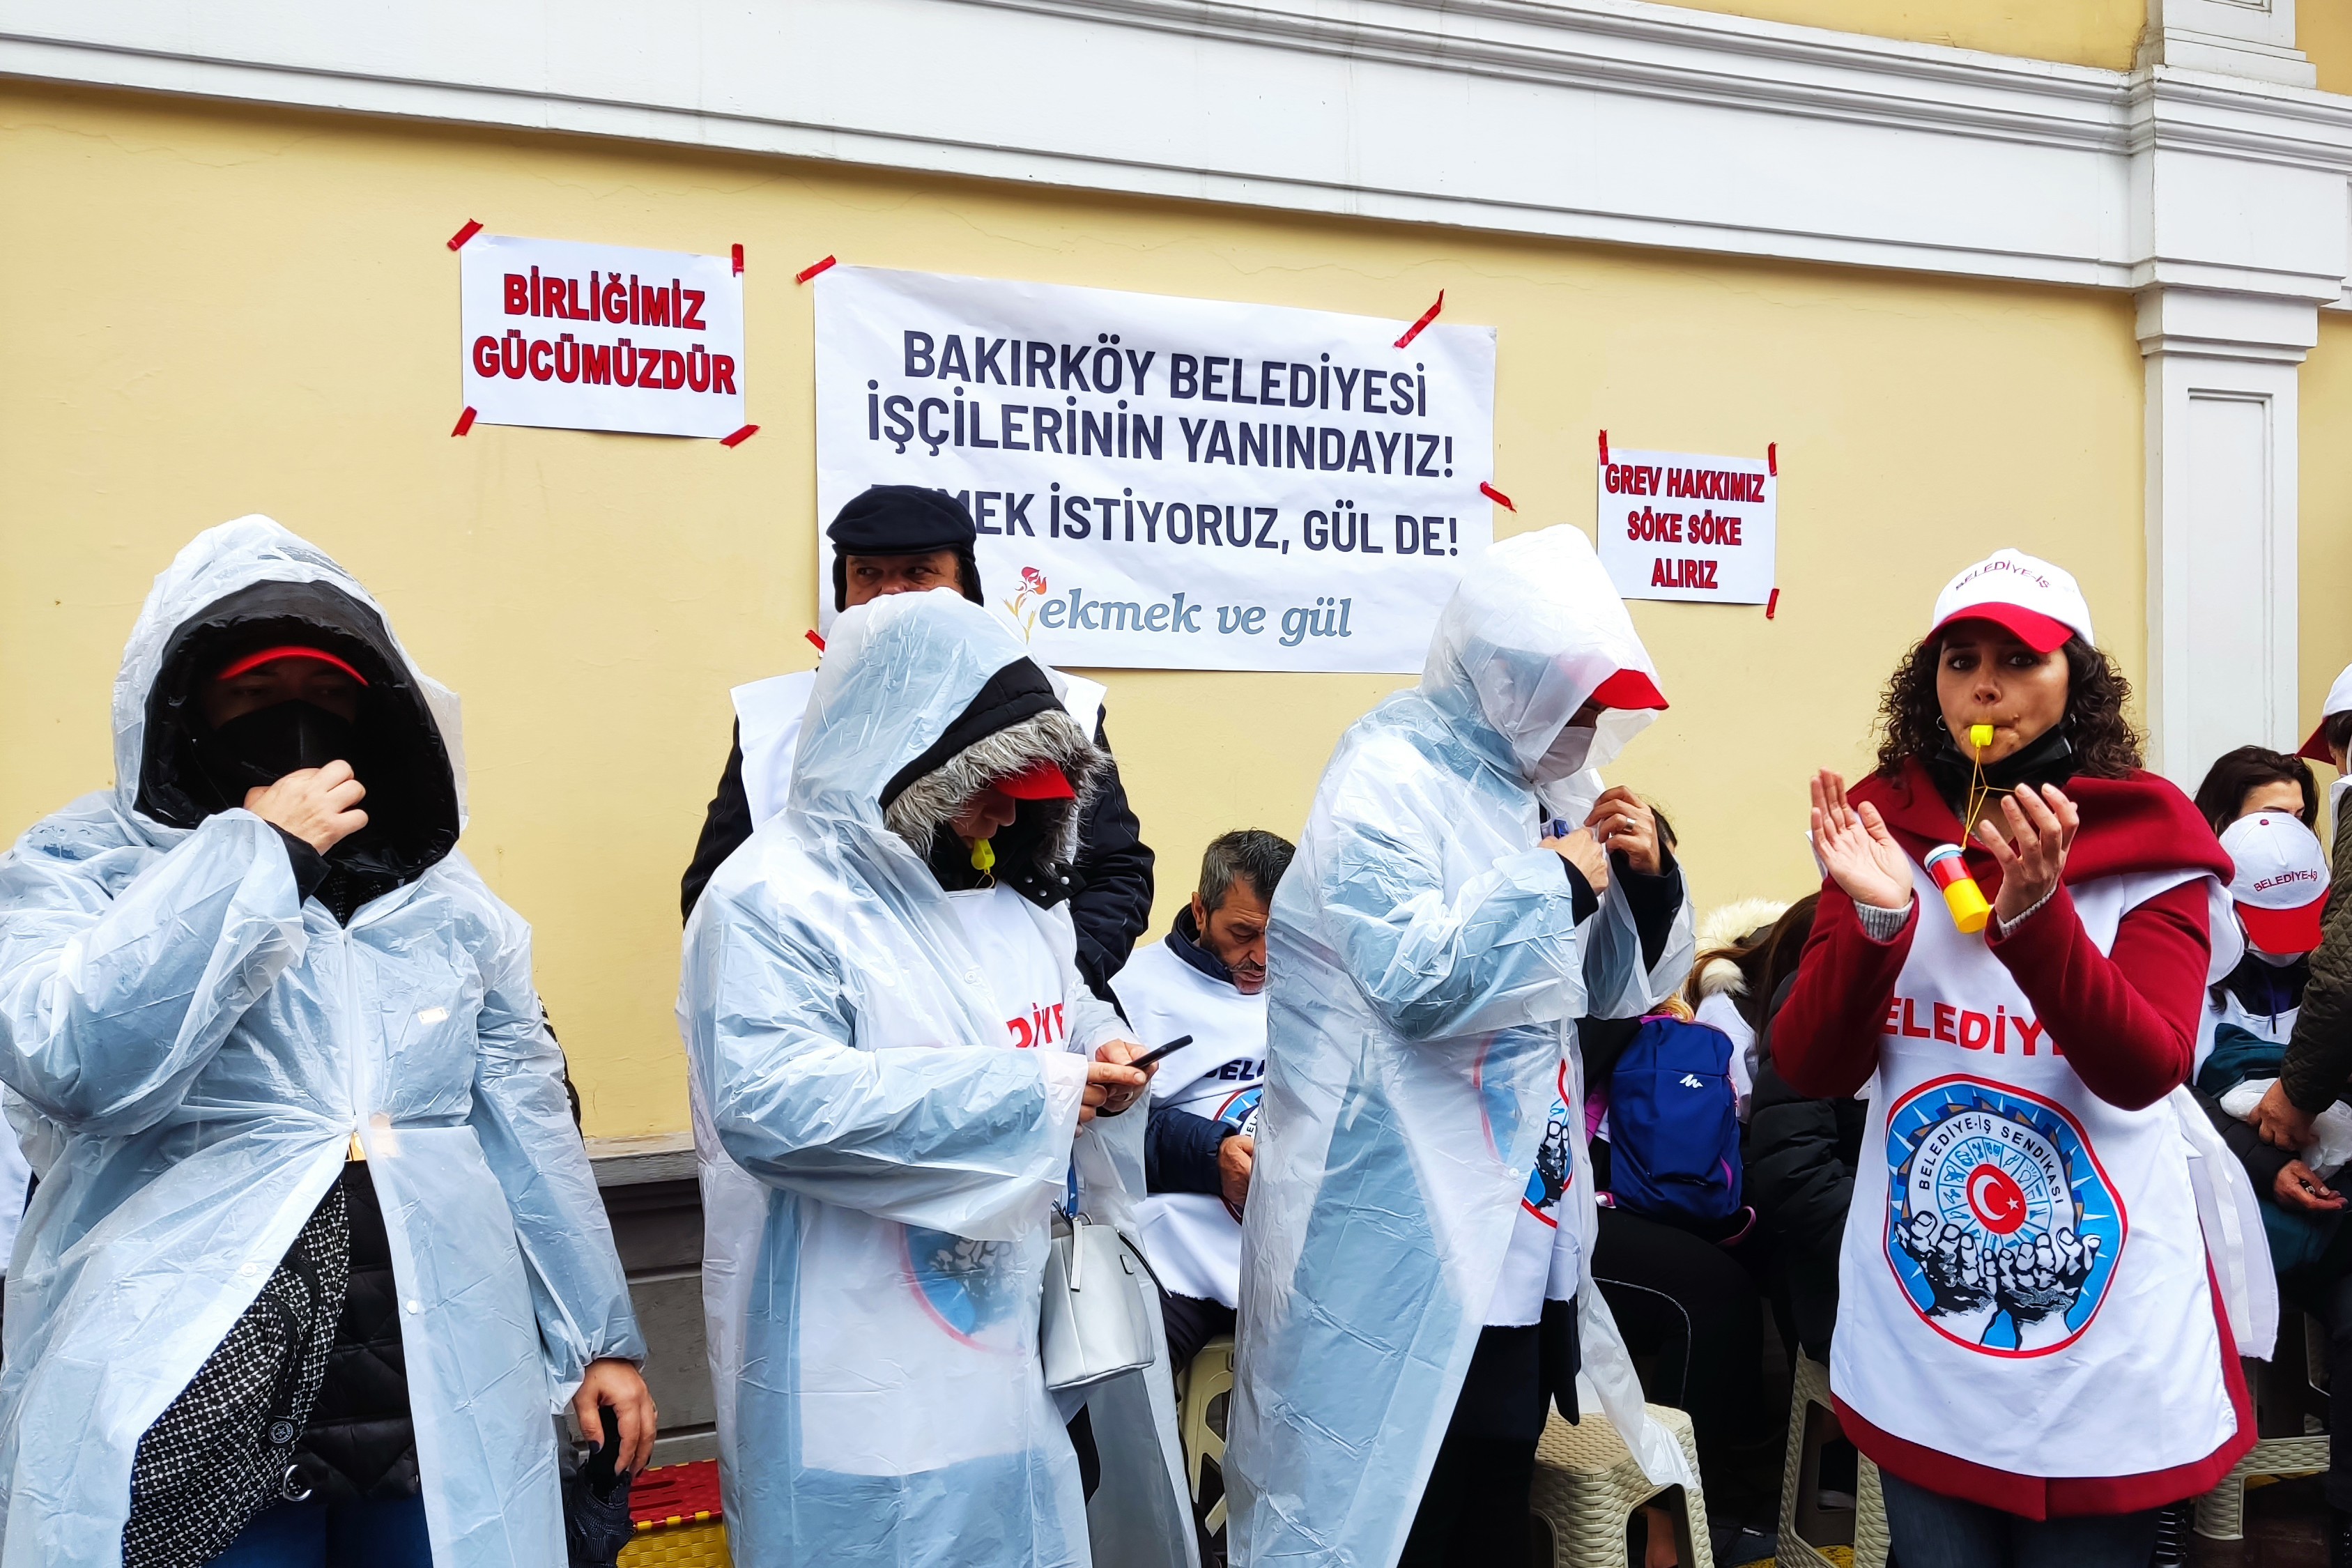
(1191, 1322)
(2339, 1318)
(1474, 1511)
(1689, 1303)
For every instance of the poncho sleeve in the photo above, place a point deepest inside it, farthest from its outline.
(110, 1005)
(970, 1139)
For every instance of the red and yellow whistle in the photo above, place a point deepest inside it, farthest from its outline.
(1961, 894)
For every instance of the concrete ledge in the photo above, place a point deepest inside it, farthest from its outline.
(652, 1157)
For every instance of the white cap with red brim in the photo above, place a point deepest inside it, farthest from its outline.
(2280, 883)
(2340, 700)
(2039, 603)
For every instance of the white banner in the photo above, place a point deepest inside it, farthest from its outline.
(601, 337)
(1677, 525)
(1168, 484)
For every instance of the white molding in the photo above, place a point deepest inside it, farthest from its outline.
(2222, 594)
(1602, 120)
(2243, 37)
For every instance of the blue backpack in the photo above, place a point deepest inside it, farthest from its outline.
(1673, 1123)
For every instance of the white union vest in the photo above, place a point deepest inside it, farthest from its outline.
(2023, 1280)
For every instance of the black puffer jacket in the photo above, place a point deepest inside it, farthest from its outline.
(360, 1444)
(1801, 1157)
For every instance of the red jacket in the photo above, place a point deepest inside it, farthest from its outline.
(2126, 1020)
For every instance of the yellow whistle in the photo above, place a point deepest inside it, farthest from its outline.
(983, 856)
(1980, 736)
(1961, 894)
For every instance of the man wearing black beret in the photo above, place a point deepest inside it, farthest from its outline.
(901, 539)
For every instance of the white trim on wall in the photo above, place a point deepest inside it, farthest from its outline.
(1603, 120)
(2220, 200)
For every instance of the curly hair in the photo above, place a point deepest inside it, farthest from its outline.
(2106, 744)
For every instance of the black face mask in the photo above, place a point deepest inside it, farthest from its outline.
(2048, 760)
(256, 749)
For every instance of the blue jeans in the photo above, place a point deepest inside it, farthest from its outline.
(1932, 1530)
(333, 1535)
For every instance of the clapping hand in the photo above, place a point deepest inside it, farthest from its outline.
(2040, 830)
(1860, 856)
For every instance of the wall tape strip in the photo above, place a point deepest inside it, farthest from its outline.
(1497, 497)
(464, 421)
(1772, 605)
(805, 273)
(740, 437)
(739, 262)
(458, 240)
(1426, 317)
(1604, 448)
(1772, 459)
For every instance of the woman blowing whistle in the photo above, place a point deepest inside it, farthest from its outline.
(2029, 1342)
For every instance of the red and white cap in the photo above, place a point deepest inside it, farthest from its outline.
(2039, 603)
(2280, 885)
(2340, 700)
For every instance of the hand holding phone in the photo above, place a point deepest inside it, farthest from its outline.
(1149, 1056)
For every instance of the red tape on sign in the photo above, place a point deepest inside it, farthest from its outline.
(805, 273)
(465, 233)
(740, 437)
(739, 262)
(1772, 459)
(464, 422)
(1604, 448)
(816, 640)
(1426, 317)
(1772, 605)
(1497, 497)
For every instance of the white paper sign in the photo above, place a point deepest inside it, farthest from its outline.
(1168, 484)
(1677, 525)
(601, 337)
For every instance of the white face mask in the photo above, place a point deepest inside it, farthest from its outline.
(1565, 757)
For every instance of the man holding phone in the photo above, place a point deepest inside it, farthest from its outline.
(1206, 980)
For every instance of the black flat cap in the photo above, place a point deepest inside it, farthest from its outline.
(901, 519)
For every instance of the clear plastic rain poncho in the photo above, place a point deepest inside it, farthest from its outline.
(1427, 974)
(879, 1163)
(198, 1048)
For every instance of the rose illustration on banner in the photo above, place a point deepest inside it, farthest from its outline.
(1033, 587)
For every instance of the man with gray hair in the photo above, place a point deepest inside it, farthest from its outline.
(1206, 979)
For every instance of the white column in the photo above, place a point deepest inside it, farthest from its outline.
(2236, 37)
(2222, 457)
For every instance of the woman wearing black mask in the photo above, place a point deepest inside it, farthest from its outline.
(317, 1247)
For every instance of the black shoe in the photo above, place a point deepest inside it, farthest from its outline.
(2173, 1524)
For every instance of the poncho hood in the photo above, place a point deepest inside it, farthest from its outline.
(250, 584)
(922, 699)
(1533, 631)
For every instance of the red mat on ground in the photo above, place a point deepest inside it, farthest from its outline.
(674, 1494)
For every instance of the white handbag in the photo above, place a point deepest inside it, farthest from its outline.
(1094, 1326)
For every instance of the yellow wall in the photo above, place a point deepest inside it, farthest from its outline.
(2325, 524)
(2323, 30)
(209, 310)
(2080, 31)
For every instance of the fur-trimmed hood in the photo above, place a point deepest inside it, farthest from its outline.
(1046, 831)
(1725, 926)
(922, 699)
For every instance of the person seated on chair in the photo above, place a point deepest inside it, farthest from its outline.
(1206, 979)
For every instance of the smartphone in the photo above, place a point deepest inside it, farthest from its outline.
(1147, 1058)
